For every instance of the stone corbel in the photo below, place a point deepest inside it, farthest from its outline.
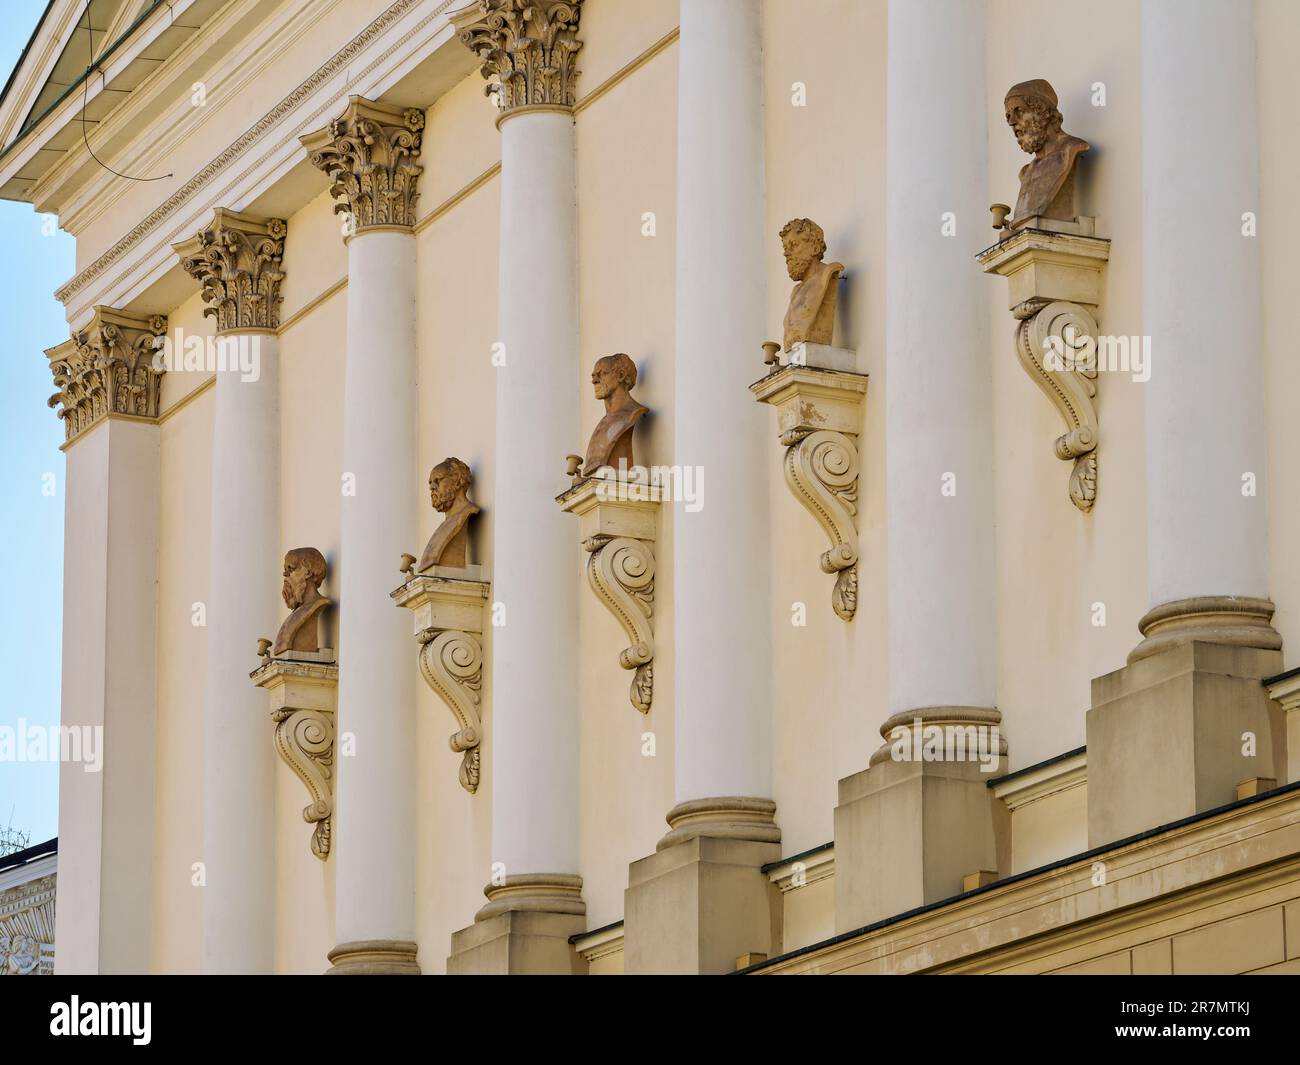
(303, 686)
(1054, 280)
(818, 401)
(447, 604)
(617, 518)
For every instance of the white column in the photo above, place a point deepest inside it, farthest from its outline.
(937, 383)
(103, 910)
(535, 570)
(1201, 302)
(722, 623)
(377, 673)
(244, 578)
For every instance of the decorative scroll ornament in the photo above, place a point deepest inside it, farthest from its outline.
(528, 46)
(1054, 288)
(110, 367)
(818, 401)
(369, 156)
(452, 664)
(237, 259)
(447, 603)
(1057, 347)
(621, 572)
(303, 687)
(305, 740)
(821, 468)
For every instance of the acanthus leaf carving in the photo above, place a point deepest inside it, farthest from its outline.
(621, 571)
(305, 740)
(1056, 345)
(369, 156)
(451, 661)
(110, 367)
(528, 46)
(821, 468)
(237, 259)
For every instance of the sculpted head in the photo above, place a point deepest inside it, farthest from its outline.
(1031, 113)
(304, 572)
(612, 372)
(448, 480)
(804, 243)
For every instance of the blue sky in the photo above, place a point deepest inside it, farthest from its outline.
(33, 264)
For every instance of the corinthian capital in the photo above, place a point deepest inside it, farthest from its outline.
(528, 46)
(369, 155)
(107, 369)
(237, 260)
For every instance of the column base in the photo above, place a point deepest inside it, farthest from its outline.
(374, 957)
(523, 929)
(728, 817)
(1167, 733)
(912, 826)
(695, 906)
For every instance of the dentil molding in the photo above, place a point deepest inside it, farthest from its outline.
(237, 258)
(818, 401)
(1054, 277)
(369, 156)
(303, 687)
(528, 46)
(447, 603)
(618, 517)
(107, 369)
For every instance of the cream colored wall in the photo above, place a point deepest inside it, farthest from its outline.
(1049, 829)
(626, 151)
(824, 161)
(1053, 562)
(808, 914)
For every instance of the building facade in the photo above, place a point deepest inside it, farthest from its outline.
(941, 616)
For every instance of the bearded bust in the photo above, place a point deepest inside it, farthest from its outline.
(1047, 180)
(304, 572)
(811, 315)
(449, 484)
(613, 378)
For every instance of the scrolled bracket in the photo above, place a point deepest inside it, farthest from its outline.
(821, 469)
(1054, 280)
(452, 664)
(819, 414)
(305, 740)
(303, 687)
(447, 604)
(621, 571)
(1057, 347)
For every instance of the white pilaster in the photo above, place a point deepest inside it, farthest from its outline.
(244, 577)
(111, 511)
(535, 568)
(1201, 303)
(376, 783)
(938, 390)
(722, 690)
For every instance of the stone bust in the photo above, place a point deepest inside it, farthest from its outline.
(449, 485)
(1047, 180)
(304, 572)
(811, 314)
(613, 377)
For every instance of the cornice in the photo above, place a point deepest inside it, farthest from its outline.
(98, 194)
(289, 107)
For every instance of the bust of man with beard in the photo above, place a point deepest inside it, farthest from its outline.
(1047, 180)
(810, 317)
(613, 378)
(304, 572)
(449, 484)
